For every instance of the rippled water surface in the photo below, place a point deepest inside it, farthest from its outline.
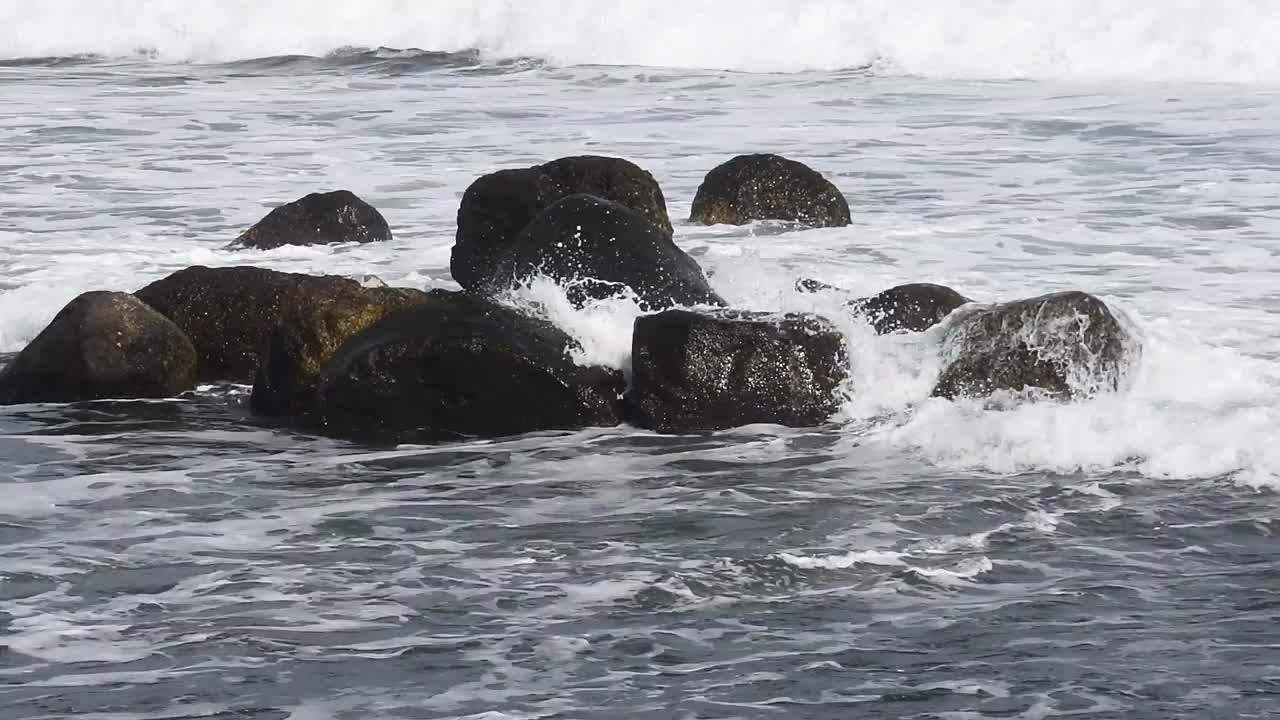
(916, 558)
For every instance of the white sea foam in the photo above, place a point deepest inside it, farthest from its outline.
(602, 328)
(1145, 39)
(843, 561)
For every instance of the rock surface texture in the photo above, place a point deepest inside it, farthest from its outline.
(596, 248)
(229, 313)
(914, 307)
(317, 219)
(768, 187)
(695, 372)
(102, 345)
(310, 334)
(459, 365)
(497, 206)
(1067, 345)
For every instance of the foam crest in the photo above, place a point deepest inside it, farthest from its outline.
(602, 327)
(1146, 39)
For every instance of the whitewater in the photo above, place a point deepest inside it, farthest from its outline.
(1192, 40)
(1108, 557)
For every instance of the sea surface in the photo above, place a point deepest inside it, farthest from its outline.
(1117, 557)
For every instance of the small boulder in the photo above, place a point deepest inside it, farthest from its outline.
(497, 206)
(768, 187)
(594, 246)
(461, 365)
(317, 219)
(229, 312)
(914, 307)
(695, 372)
(309, 335)
(102, 345)
(1067, 344)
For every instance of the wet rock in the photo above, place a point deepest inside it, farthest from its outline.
(310, 334)
(694, 371)
(229, 312)
(914, 307)
(1066, 345)
(497, 206)
(460, 365)
(594, 246)
(102, 345)
(768, 187)
(317, 219)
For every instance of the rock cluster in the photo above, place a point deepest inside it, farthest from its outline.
(340, 358)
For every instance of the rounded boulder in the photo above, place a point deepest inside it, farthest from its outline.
(768, 187)
(1066, 345)
(317, 219)
(705, 371)
(102, 345)
(459, 365)
(230, 312)
(595, 246)
(497, 206)
(310, 334)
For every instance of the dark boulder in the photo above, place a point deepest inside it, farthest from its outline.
(914, 307)
(229, 312)
(694, 372)
(768, 187)
(460, 365)
(594, 246)
(1067, 344)
(102, 345)
(310, 334)
(497, 206)
(317, 219)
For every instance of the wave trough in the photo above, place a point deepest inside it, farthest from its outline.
(1184, 40)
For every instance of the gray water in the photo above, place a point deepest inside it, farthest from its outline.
(915, 558)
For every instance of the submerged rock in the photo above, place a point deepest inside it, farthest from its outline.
(594, 246)
(768, 187)
(229, 312)
(318, 219)
(914, 307)
(102, 345)
(1067, 344)
(497, 206)
(694, 372)
(310, 334)
(460, 365)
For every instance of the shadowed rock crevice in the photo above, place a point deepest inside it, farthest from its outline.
(310, 334)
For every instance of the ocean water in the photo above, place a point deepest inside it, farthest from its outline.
(915, 558)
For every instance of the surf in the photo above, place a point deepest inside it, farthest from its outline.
(1188, 40)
